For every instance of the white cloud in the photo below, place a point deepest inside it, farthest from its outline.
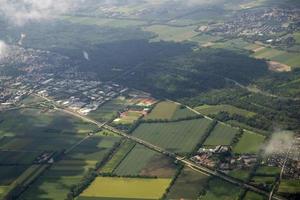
(20, 12)
(280, 142)
(4, 50)
(86, 55)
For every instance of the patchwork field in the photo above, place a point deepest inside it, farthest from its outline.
(57, 181)
(109, 110)
(118, 156)
(215, 109)
(249, 143)
(167, 110)
(254, 196)
(188, 185)
(126, 188)
(221, 135)
(36, 122)
(218, 189)
(289, 186)
(288, 58)
(171, 33)
(180, 137)
(129, 166)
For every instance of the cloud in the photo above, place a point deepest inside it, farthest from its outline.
(4, 50)
(20, 12)
(86, 55)
(280, 142)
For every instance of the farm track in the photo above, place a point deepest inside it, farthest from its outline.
(196, 167)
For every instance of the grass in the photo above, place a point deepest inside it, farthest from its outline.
(188, 185)
(289, 186)
(56, 182)
(167, 110)
(17, 158)
(35, 122)
(242, 174)
(117, 158)
(218, 189)
(129, 166)
(221, 135)
(171, 33)
(180, 137)
(254, 196)
(109, 110)
(249, 143)
(129, 117)
(8, 174)
(135, 188)
(268, 170)
(215, 109)
(288, 58)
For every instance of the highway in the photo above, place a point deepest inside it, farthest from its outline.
(186, 162)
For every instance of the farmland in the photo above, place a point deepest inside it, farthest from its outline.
(118, 156)
(249, 143)
(41, 123)
(289, 186)
(215, 109)
(128, 117)
(129, 166)
(126, 188)
(109, 110)
(169, 33)
(218, 189)
(254, 196)
(180, 137)
(221, 135)
(188, 185)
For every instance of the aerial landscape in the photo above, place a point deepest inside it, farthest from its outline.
(149, 99)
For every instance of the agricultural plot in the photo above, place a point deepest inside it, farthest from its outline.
(180, 137)
(288, 58)
(242, 174)
(168, 110)
(118, 156)
(289, 186)
(110, 109)
(254, 196)
(17, 158)
(221, 135)
(128, 117)
(57, 181)
(126, 188)
(8, 174)
(171, 33)
(218, 189)
(188, 185)
(129, 166)
(215, 109)
(249, 143)
(36, 122)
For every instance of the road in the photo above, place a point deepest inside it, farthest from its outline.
(186, 162)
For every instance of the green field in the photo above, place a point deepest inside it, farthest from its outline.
(188, 185)
(35, 122)
(215, 109)
(180, 137)
(17, 158)
(129, 117)
(8, 174)
(109, 110)
(130, 166)
(168, 110)
(218, 189)
(288, 58)
(221, 135)
(242, 174)
(171, 33)
(289, 186)
(249, 143)
(254, 196)
(268, 170)
(118, 156)
(134, 188)
(56, 182)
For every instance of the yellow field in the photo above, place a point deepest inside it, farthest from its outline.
(136, 188)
